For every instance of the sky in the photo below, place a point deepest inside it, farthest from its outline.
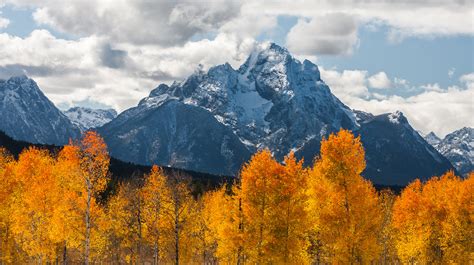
(416, 56)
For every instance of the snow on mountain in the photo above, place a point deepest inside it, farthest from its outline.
(266, 101)
(432, 139)
(272, 101)
(27, 114)
(87, 118)
(395, 152)
(457, 147)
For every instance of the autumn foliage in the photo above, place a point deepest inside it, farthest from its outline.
(53, 209)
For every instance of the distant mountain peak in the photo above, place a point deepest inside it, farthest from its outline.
(87, 118)
(397, 117)
(19, 78)
(432, 139)
(27, 114)
(457, 147)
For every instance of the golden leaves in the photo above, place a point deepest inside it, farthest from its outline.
(275, 213)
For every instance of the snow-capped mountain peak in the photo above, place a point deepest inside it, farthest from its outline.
(457, 147)
(87, 118)
(271, 101)
(397, 117)
(432, 139)
(27, 114)
(266, 98)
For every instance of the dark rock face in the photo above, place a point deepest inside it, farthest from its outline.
(175, 134)
(396, 154)
(27, 114)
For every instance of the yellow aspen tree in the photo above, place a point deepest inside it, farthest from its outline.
(259, 180)
(125, 219)
(454, 202)
(411, 223)
(226, 223)
(94, 161)
(157, 205)
(207, 225)
(434, 222)
(388, 252)
(33, 204)
(68, 217)
(8, 250)
(179, 217)
(85, 176)
(347, 219)
(290, 216)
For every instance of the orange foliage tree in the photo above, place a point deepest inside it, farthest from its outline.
(52, 210)
(157, 205)
(345, 214)
(33, 202)
(274, 209)
(434, 221)
(83, 170)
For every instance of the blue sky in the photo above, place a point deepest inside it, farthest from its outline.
(420, 60)
(377, 57)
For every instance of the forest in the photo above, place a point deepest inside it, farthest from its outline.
(54, 209)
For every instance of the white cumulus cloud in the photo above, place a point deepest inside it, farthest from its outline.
(333, 34)
(437, 109)
(380, 81)
(4, 22)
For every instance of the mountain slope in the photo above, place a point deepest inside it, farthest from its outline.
(457, 147)
(87, 118)
(165, 131)
(395, 152)
(27, 114)
(272, 101)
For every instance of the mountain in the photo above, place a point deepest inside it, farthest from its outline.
(432, 139)
(457, 147)
(213, 121)
(165, 131)
(27, 114)
(87, 118)
(395, 152)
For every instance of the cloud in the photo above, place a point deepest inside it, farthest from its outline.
(468, 80)
(437, 109)
(119, 50)
(432, 87)
(330, 34)
(348, 83)
(92, 69)
(427, 18)
(113, 58)
(441, 112)
(451, 72)
(4, 22)
(165, 23)
(379, 81)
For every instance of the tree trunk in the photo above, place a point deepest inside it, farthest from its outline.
(139, 243)
(176, 242)
(65, 254)
(88, 224)
(155, 254)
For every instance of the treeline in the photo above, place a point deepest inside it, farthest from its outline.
(53, 211)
